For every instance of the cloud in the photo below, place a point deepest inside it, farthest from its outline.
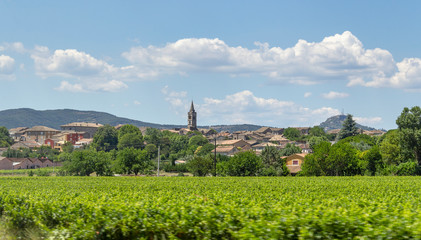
(135, 102)
(15, 46)
(338, 57)
(335, 95)
(368, 121)
(111, 86)
(307, 94)
(245, 107)
(177, 100)
(91, 74)
(7, 64)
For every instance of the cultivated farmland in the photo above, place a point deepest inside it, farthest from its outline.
(213, 208)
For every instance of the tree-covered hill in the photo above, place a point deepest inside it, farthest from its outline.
(336, 122)
(26, 117)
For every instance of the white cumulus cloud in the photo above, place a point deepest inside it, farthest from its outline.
(177, 100)
(245, 107)
(335, 95)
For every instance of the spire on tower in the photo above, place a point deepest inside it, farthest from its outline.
(192, 107)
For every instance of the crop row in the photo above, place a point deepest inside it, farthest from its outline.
(214, 208)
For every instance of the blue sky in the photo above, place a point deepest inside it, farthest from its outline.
(274, 63)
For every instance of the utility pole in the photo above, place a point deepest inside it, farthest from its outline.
(159, 158)
(214, 160)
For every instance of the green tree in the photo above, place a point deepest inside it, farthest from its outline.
(290, 149)
(133, 160)
(390, 148)
(342, 160)
(105, 139)
(409, 124)
(274, 165)
(292, 134)
(316, 164)
(5, 139)
(349, 128)
(129, 136)
(198, 140)
(67, 147)
(317, 131)
(82, 163)
(244, 164)
(315, 140)
(200, 165)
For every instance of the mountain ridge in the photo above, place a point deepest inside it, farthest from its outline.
(28, 117)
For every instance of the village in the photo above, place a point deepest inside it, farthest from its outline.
(80, 134)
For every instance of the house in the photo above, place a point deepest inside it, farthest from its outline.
(294, 162)
(83, 142)
(39, 133)
(226, 150)
(24, 163)
(17, 133)
(241, 144)
(25, 144)
(259, 147)
(279, 139)
(89, 128)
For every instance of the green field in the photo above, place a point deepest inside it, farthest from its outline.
(212, 208)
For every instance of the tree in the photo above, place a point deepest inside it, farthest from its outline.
(292, 133)
(409, 124)
(349, 128)
(5, 139)
(317, 131)
(200, 165)
(274, 165)
(130, 140)
(244, 164)
(290, 149)
(133, 160)
(67, 147)
(390, 148)
(82, 163)
(316, 164)
(105, 139)
(314, 140)
(129, 136)
(342, 160)
(198, 140)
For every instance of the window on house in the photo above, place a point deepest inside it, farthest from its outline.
(294, 162)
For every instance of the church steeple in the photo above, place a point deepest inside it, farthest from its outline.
(192, 107)
(192, 118)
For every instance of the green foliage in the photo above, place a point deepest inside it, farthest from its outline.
(5, 139)
(274, 165)
(315, 140)
(342, 160)
(133, 160)
(242, 164)
(292, 134)
(105, 139)
(129, 136)
(407, 169)
(67, 147)
(349, 128)
(180, 168)
(290, 149)
(213, 208)
(205, 149)
(409, 123)
(390, 148)
(316, 164)
(317, 131)
(200, 166)
(82, 163)
(198, 140)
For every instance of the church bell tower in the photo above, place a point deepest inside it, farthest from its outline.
(192, 118)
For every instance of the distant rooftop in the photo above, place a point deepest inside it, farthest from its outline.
(82, 124)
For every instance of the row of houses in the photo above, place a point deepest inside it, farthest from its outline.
(77, 133)
(24, 163)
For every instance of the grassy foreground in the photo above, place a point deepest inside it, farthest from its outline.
(212, 208)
